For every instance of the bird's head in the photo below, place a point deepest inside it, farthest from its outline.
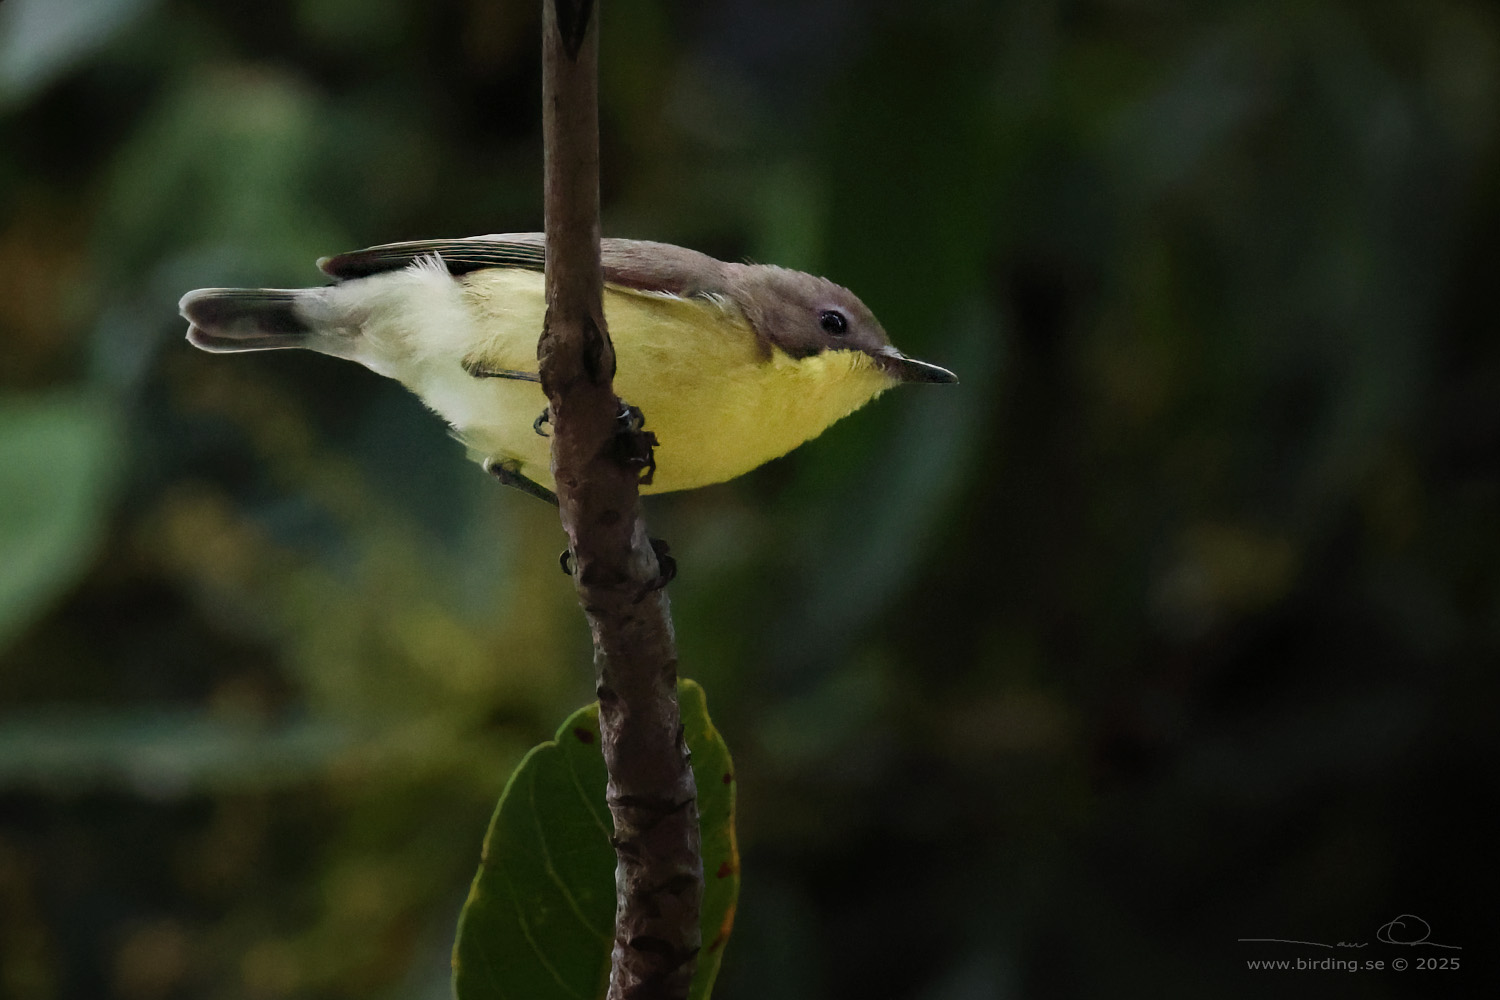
(804, 316)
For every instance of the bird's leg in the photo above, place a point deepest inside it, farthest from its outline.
(479, 369)
(509, 474)
(634, 445)
(545, 417)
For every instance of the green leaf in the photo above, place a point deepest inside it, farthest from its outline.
(714, 773)
(539, 922)
(56, 477)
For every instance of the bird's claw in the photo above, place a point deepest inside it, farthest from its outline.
(666, 567)
(634, 445)
(667, 571)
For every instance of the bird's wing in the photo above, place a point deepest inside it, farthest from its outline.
(522, 250)
(633, 264)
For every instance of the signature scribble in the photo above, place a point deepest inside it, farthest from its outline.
(1408, 930)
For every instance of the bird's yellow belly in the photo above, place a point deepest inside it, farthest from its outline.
(717, 401)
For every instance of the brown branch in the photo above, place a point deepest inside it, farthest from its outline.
(596, 461)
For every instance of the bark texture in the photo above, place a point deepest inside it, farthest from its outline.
(599, 453)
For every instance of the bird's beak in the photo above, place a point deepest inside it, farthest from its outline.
(903, 369)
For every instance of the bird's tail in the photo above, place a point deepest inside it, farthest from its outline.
(245, 319)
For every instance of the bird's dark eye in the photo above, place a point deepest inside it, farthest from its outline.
(834, 322)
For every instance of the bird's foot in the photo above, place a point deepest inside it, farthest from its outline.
(666, 569)
(543, 419)
(634, 445)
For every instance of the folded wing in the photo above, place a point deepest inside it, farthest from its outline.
(634, 264)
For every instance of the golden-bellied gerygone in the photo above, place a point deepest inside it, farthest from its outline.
(732, 364)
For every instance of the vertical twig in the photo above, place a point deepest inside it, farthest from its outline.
(659, 872)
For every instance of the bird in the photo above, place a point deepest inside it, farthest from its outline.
(732, 364)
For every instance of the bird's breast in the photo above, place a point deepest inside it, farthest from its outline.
(717, 400)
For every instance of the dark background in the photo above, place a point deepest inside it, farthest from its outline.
(1175, 623)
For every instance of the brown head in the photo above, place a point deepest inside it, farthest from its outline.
(805, 315)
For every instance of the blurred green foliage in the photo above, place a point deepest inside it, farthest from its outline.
(54, 480)
(1175, 623)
